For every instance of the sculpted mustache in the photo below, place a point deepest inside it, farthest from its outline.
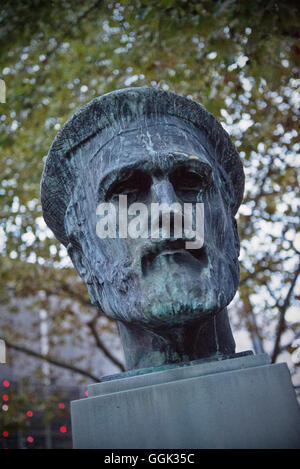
(153, 249)
(150, 252)
(147, 253)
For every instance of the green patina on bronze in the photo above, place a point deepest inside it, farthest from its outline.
(170, 302)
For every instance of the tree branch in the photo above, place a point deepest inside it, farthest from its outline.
(251, 325)
(52, 361)
(282, 311)
(282, 348)
(92, 325)
(64, 287)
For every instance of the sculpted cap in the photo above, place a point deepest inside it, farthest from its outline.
(117, 112)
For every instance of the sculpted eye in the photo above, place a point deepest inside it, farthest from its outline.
(188, 183)
(136, 186)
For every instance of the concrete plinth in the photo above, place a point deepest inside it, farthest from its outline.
(242, 402)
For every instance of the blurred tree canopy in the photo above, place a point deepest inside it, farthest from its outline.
(239, 59)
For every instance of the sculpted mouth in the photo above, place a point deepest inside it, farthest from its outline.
(175, 248)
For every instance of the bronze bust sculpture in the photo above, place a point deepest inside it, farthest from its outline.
(154, 147)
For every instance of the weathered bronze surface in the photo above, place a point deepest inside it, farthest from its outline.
(153, 146)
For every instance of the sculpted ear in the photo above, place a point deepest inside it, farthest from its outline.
(80, 262)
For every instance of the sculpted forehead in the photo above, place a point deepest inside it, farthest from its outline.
(152, 144)
(151, 139)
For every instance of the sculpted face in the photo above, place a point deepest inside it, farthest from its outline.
(155, 283)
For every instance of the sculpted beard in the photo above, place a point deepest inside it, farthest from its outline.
(184, 291)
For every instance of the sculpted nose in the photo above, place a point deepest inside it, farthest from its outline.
(163, 192)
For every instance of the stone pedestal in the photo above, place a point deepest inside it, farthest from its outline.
(242, 402)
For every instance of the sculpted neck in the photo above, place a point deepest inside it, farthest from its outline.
(145, 348)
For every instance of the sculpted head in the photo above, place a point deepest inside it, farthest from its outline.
(154, 147)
